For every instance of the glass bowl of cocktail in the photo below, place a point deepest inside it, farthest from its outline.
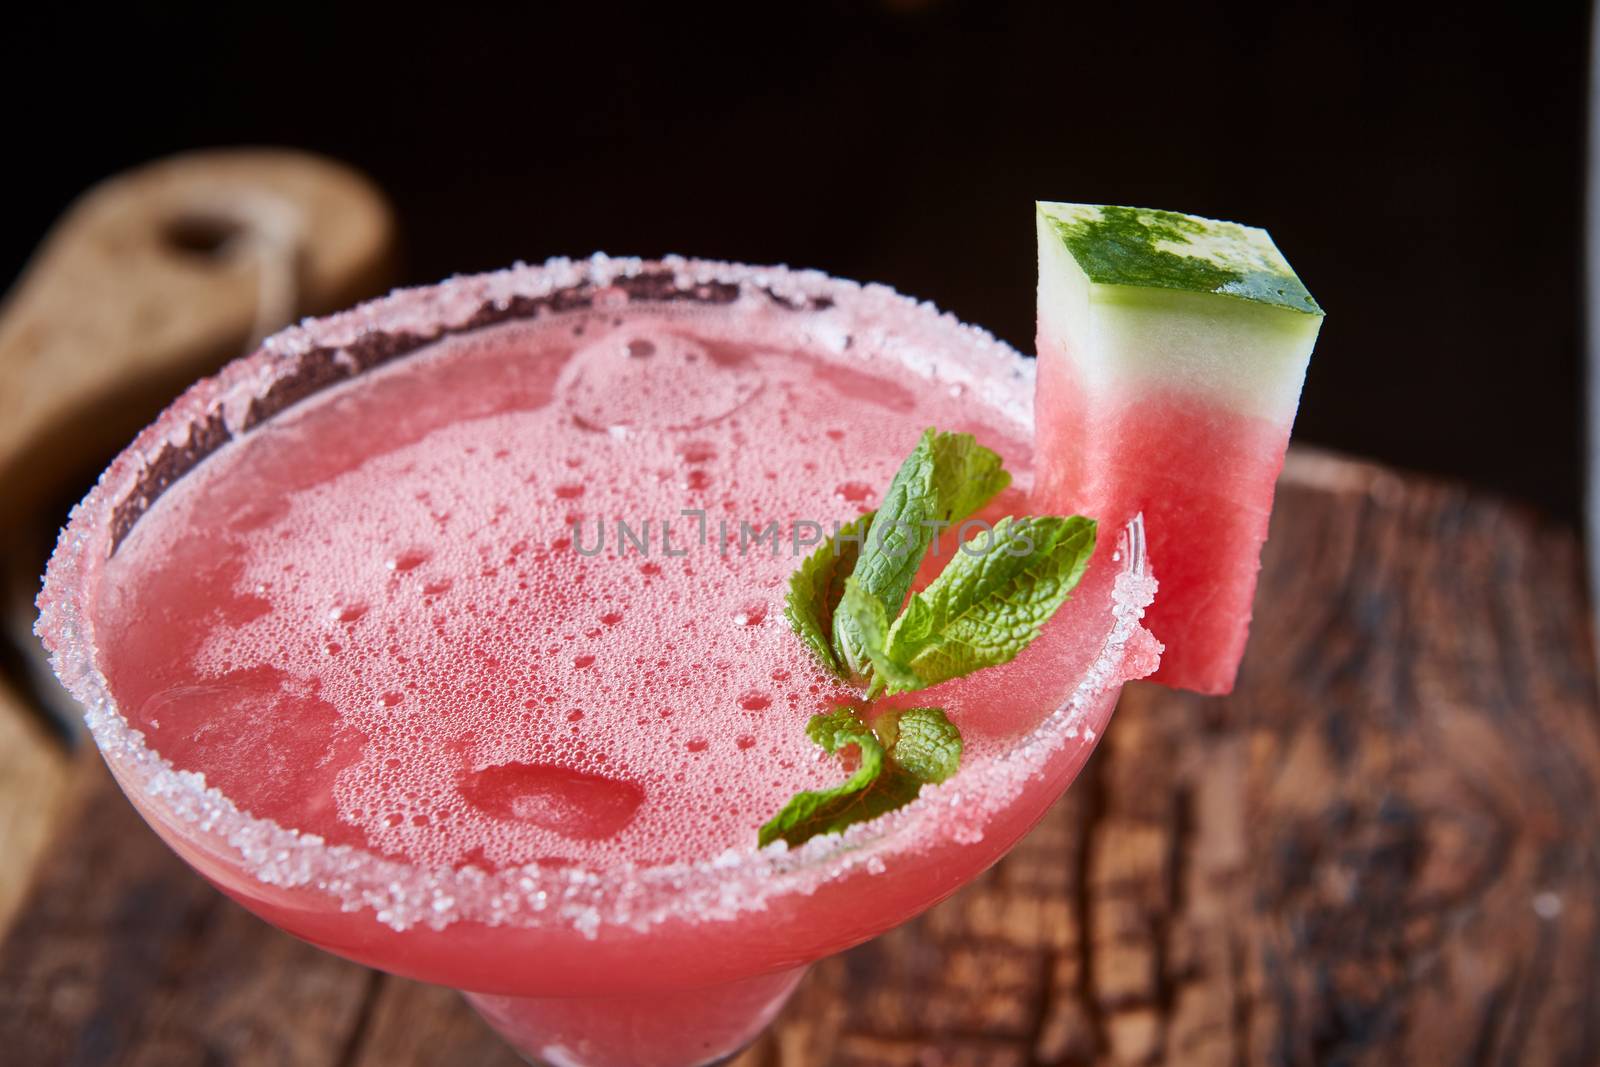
(528, 634)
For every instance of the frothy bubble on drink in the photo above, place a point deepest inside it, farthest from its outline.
(503, 692)
(661, 380)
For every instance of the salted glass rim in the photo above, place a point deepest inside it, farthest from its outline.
(319, 353)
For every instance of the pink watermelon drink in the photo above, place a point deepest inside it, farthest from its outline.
(448, 634)
(354, 642)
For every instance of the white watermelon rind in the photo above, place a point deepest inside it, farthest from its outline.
(1234, 327)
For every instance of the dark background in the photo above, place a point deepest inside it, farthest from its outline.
(1421, 169)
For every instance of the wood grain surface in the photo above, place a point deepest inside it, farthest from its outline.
(1380, 850)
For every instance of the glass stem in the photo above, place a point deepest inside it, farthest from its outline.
(678, 1028)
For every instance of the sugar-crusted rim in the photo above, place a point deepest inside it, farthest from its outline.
(315, 354)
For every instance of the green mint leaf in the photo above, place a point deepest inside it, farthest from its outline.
(829, 810)
(815, 588)
(848, 604)
(868, 623)
(922, 741)
(841, 728)
(897, 539)
(947, 477)
(927, 740)
(988, 604)
(966, 475)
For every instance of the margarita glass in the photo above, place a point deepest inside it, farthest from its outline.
(481, 754)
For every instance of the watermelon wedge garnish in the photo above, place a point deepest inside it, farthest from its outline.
(1172, 349)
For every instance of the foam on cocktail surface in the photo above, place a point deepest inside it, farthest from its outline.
(398, 746)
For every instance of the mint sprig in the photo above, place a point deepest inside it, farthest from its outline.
(917, 746)
(985, 607)
(848, 604)
(947, 477)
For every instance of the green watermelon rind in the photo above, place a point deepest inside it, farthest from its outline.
(1127, 252)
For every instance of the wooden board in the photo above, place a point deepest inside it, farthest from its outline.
(1380, 850)
(155, 277)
